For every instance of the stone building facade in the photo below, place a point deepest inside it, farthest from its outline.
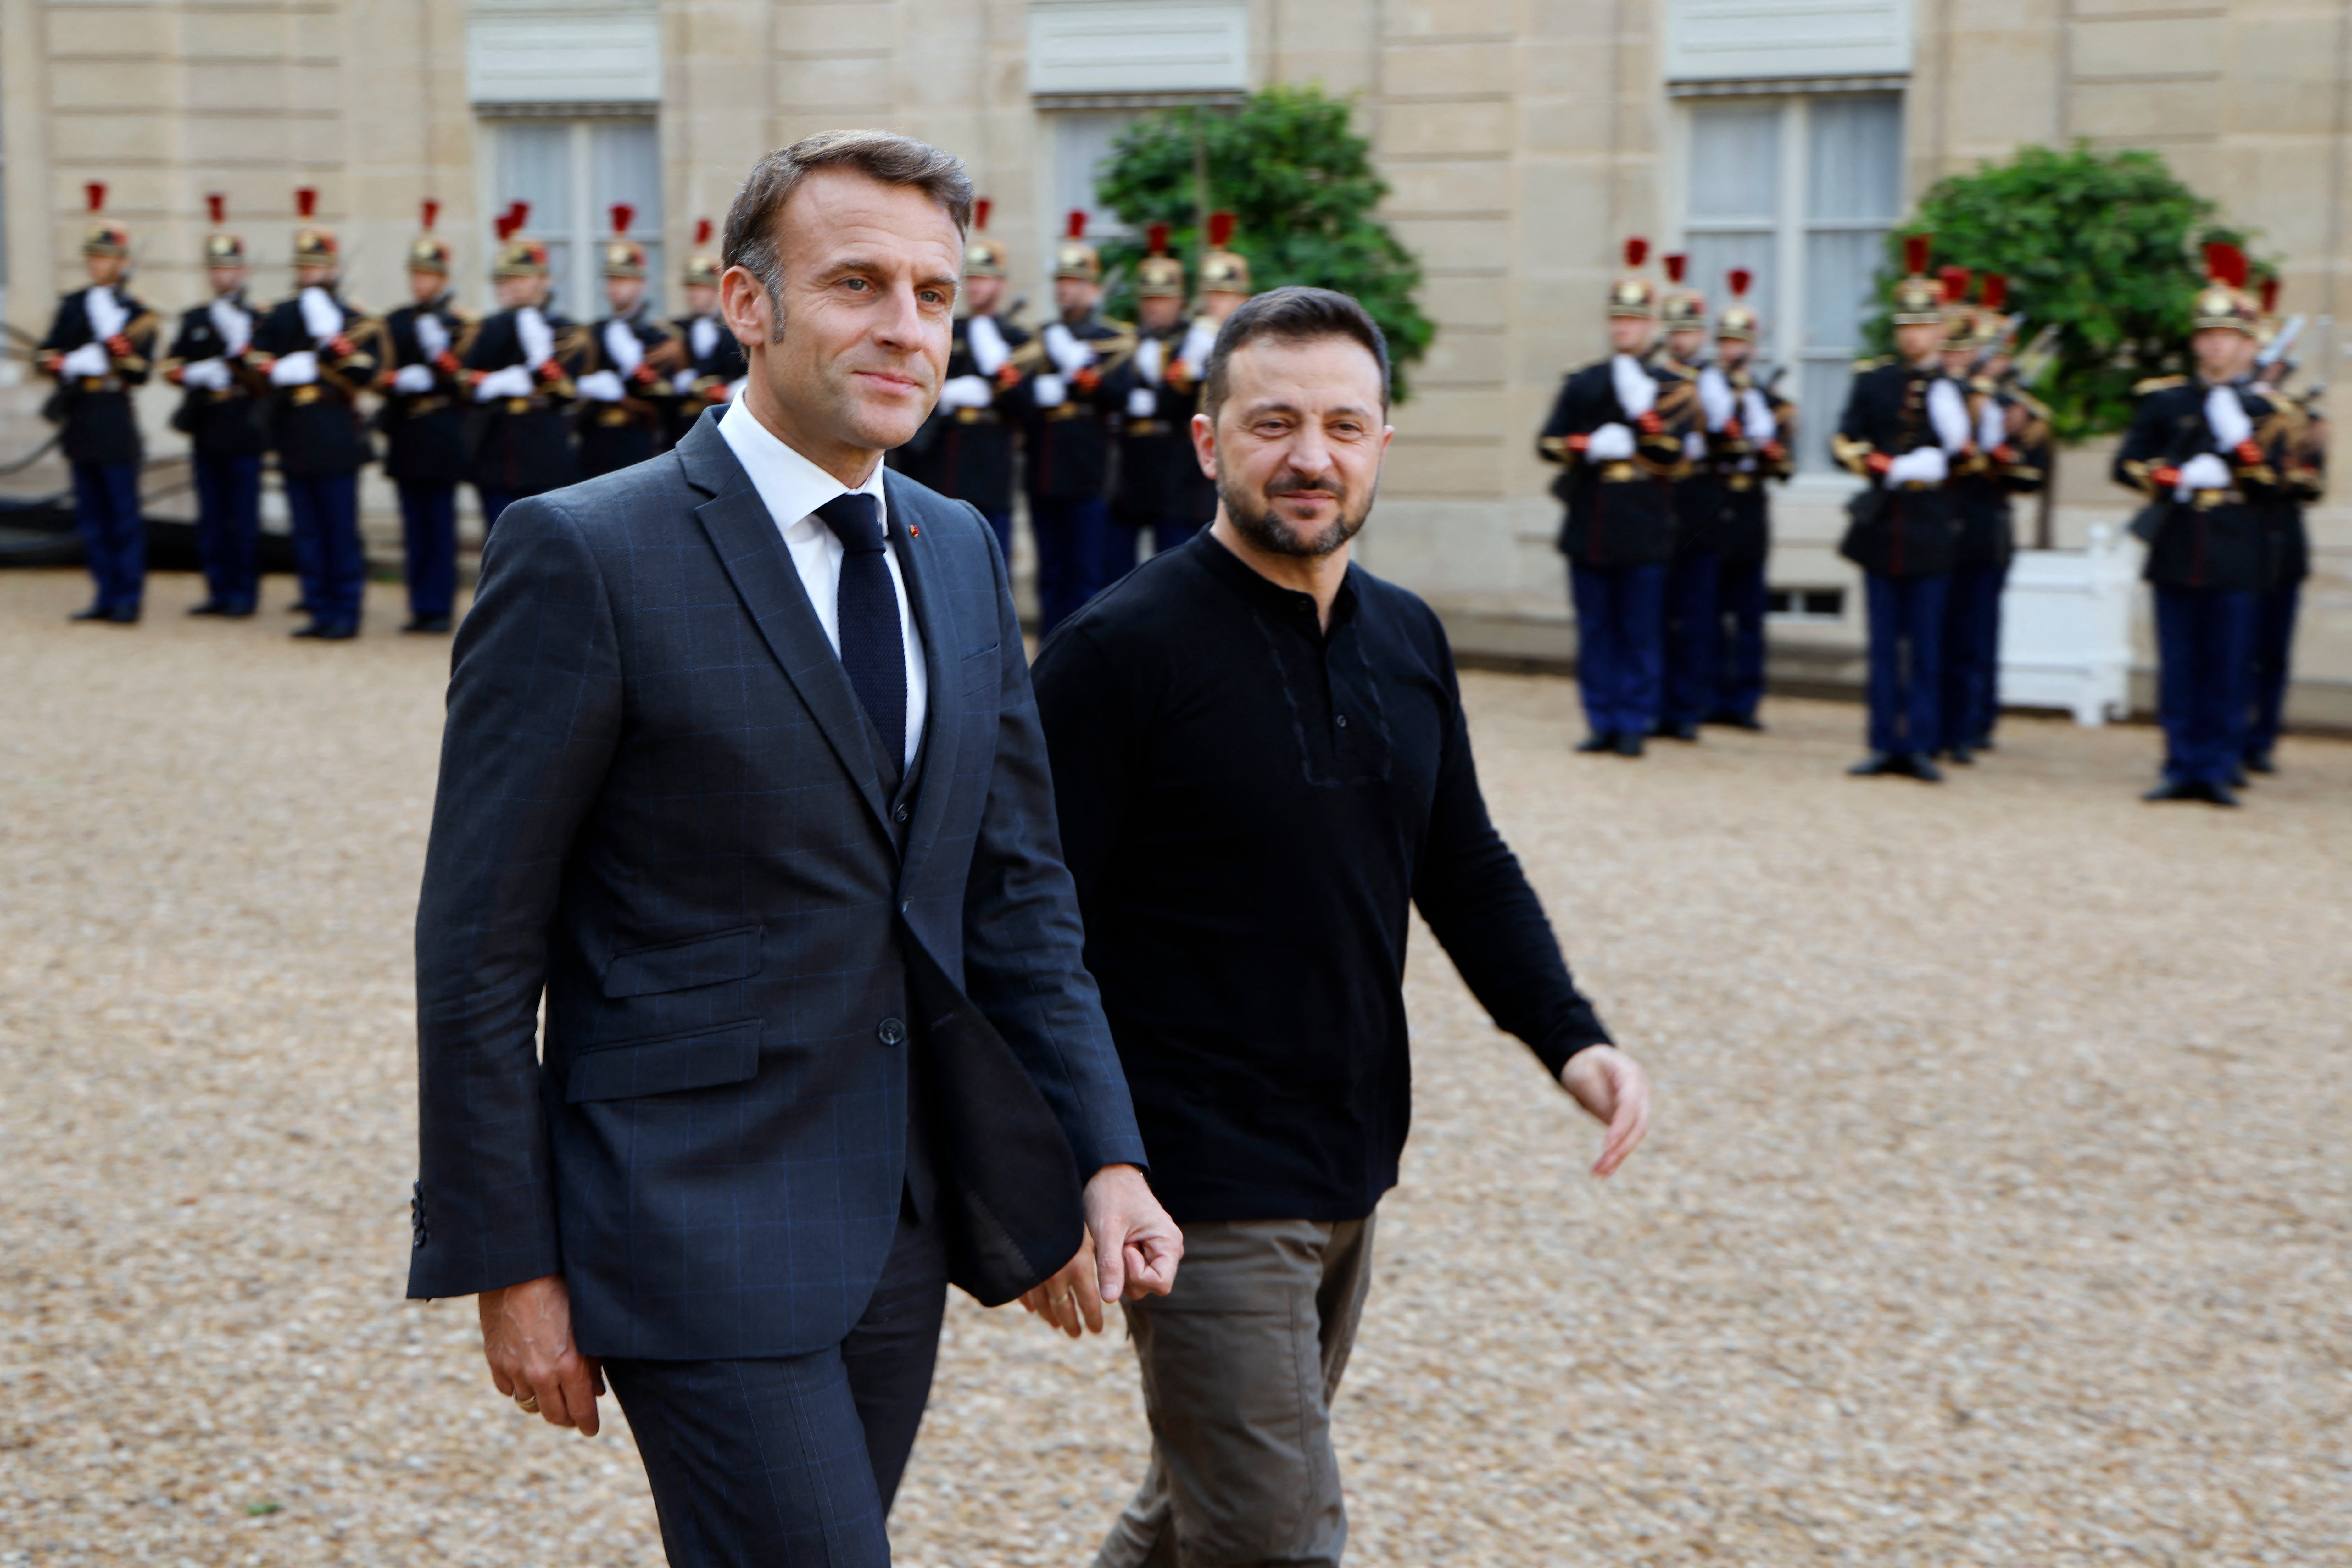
(1523, 140)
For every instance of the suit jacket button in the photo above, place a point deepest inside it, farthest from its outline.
(898, 814)
(892, 1032)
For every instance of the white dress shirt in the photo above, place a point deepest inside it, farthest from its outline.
(793, 489)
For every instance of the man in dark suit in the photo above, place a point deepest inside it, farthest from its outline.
(742, 771)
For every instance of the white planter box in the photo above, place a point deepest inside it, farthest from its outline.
(2065, 627)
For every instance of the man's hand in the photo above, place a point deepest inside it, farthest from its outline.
(1070, 1298)
(527, 1339)
(1137, 1246)
(1612, 1088)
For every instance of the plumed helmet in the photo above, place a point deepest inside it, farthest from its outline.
(1918, 298)
(313, 246)
(1632, 294)
(2223, 301)
(1073, 256)
(1223, 270)
(221, 247)
(1683, 309)
(1159, 276)
(104, 236)
(702, 268)
(429, 252)
(623, 257)
(1739, 320)
(518, 257)
(983, 256)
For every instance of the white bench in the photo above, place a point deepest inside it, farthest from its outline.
(2065, 629)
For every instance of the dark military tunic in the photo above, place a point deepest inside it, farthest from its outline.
(2016, 464)
(1160, 477)
(1911, 530)
(619, 435)
(714, 362)
(316, 428)
(221, 422)
(100, 425)
(425, 430)
(2216, 538)
(1069, 446)
(1742, 466)
(966, 454)
(523, 443)
(1621, 511)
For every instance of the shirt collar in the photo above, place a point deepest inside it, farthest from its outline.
(1267, 594)
(792, 486)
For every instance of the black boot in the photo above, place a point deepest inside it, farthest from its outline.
(1629, 743)
(2174, 789)
(2259, 762)
(1877, 765)
(1599, 742)
(1916, 765)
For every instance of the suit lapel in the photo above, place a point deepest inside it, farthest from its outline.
(919, 558)
(753, 551)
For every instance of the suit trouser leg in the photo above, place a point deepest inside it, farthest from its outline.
(1596, 645)
(1971, 628)
(428, 536)
(2222, 628)
(342, 561)
(91, 507)
(1240, 1368)
(791, 1463)
(1741, 687)
(240, 585)
(2274, 616)
(1883, 601)
(209, 471)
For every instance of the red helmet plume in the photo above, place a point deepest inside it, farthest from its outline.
(624, 216)
(701, 232)
(1915, 254)
(1221, 230)
(306, 201)
(1739, 278)
(95, 194)
(1155, 239)
(432, 210)
(1637, 251)
(1077, 229)
(1996, 290)
(518, 215)
(1675, 262)
(218, 205)
(2270, 295)
(1955, 280)
(2225, 263)
(979, 212)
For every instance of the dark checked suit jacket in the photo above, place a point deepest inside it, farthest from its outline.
(659, 804)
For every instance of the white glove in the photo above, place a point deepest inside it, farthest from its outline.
(1148, 355)
(1070, 355)
(2226, 414)
(1947, 410)
(232, 323)
(431, 336)
(89, 360)
(986, 341)
(298, 368)
(1048, 391)
(1637, 390)
(1199, 341)
(1756, 417)
(621, 347)
(1694, 445)
(1611, 443)
(1715, 398)
(1922, 466)
(412, 379)
(322, 317)
(1142, 403)
(702, 336)
(536, 338)
(600, 386)
(1992, 423)
(205, 375)
(967, 391)
(683, 381)
(513, 381)
(107, 316)
(2202, 472)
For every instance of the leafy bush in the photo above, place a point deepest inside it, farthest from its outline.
(2108, 245)
(1298, 180)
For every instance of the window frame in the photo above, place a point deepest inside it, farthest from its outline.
(580, 295)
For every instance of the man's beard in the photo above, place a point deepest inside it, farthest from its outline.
(1253, 516)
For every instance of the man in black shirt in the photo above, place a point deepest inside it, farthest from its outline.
(1261, 767)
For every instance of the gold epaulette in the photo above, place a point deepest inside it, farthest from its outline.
(2158, 384)
(1873, 362)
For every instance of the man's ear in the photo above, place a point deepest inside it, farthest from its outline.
(1204, 444)
(744, 305)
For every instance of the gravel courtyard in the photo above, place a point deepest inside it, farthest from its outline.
(1996, 1210)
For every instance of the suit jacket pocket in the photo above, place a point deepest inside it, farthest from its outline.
(679, 965)
(696, 1059)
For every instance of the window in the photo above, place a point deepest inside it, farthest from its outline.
(1805, 603)
(1801, 190)
(572, 172)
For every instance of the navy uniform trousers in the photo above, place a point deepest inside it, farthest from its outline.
(1694, 637)
(1071, 554)
(1620, 644)
(428, 538)
(2203, 639)
(1906, 657)
(324, 510)
(1972, 656)
(2273, 649)
(113, 534)
(1741, 601)
(229, 527)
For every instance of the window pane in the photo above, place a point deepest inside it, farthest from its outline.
(1839, 264)
(534, 165)
(1081, 145)
(1735, 162)
(1712, 256)
(1822, 388)
(624, 165)
(1854, 164)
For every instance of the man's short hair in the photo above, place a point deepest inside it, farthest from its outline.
(750, 240)
(1291, 315)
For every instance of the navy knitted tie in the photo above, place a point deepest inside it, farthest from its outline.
(873, 645)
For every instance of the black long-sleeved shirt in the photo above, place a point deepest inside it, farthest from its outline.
(1250, 807)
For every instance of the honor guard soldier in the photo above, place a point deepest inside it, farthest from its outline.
(520, 369)
(2011, 458)
(1224, 280)
(715, 364)
(964, 451)
(2287, 559)
(1904, 430)
(632, 356)
(323, 352)
(1064, 422)
(221, 404)
(1618, 459)
(1693, 630)
(101, 344)
(1752, 448)
(424, 421)
(1160, 485)
(2207, 451)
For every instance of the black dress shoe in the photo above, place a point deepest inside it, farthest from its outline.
(1877, 765)
(2238, 780)
(1916, 765)
(238, 611)
(1747, 721)
(2174, 789)
(1629, 743)
(2217, 795)
(2259, 762)
(123, 615)
(209, 607)
(331, 631)
(91, 612)
(1982, 743)
(301, 607)
(1599, 742)
(427, 623)
(1961, 755)
(1675, 731)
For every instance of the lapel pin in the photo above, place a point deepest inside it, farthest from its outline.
(913, 533)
